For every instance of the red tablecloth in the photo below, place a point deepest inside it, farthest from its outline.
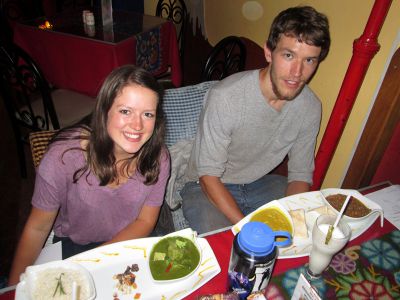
(81, 64)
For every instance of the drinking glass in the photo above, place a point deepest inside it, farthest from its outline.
(321, 253)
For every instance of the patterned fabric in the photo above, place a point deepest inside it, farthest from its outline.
(39, 142)
(148, 53)
(367, 271)
(182, 107)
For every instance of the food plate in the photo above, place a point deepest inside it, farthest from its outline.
(107, 261)
(308, 201)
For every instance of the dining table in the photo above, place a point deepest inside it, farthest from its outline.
(367, 268)
(77, 56)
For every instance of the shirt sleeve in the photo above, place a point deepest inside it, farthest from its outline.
(301, 155)
(50, 182)
(215, 130)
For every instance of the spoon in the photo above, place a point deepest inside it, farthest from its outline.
(339, 216)
(74, 291)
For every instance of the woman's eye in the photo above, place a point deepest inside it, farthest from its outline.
(124, 111)
(149, 115)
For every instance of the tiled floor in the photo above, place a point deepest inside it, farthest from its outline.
(15, 194)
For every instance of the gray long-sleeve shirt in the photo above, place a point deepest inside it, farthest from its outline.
(241, 138)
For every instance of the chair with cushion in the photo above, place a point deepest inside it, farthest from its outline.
(31, 103)
(227, 57)
(182, 107)
(175, 11)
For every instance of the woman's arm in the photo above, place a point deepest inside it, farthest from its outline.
(33, 237)
(141, 227)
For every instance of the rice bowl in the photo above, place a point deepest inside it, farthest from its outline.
(54, 281)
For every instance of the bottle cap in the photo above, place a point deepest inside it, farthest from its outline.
(256, 238)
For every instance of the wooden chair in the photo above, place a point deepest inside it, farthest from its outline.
(31, 103)
(227, 57)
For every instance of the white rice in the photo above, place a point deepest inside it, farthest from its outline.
(46, 283)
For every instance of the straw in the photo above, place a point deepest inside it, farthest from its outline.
(339, 216)
(74, 291)
(341, 211)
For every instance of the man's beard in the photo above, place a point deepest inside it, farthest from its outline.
(279, 94)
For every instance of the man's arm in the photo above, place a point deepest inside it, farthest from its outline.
(221, 198)
(297, 187)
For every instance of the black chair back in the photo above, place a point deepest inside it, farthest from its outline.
(25, 91)
(32, 104)
(227, 57)
(26, 96)
(175, 10)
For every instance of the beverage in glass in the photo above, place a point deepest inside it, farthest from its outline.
(322, 252)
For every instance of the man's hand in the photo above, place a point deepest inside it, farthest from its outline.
(297, 187)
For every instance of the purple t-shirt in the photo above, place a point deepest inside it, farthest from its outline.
(89, 212)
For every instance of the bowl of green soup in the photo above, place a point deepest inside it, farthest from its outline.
(174, 257)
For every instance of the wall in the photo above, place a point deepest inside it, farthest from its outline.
(347, 22)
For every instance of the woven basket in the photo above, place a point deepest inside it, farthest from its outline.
(39, 141)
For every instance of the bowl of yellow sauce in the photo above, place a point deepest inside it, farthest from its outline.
(273, 214)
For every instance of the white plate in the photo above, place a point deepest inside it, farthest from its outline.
(310, 200)
(105, 262)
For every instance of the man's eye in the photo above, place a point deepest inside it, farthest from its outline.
(288, 55)
(310, 61)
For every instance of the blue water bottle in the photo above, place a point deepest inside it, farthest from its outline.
(253, 257)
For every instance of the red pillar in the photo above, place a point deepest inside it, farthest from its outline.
(364, 49)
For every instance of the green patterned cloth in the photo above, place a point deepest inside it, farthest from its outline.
(363, 272)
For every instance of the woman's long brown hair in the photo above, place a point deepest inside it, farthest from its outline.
(100, 157)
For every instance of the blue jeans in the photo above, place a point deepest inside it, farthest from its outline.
(203, 216)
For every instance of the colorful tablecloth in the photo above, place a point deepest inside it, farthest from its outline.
(367, 271)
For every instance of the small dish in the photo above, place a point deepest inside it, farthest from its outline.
(273, 204)
(374, 208)
(175, 257)
(55, 278)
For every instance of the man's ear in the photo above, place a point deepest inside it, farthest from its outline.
(267, 53)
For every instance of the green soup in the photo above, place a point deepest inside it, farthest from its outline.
(173, 257)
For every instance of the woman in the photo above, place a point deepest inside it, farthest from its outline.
(104, 182)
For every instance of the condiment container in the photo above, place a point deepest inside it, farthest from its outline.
(84, 12)
(90, 18)
(253, 255)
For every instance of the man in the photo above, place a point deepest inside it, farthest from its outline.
(252, 120)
